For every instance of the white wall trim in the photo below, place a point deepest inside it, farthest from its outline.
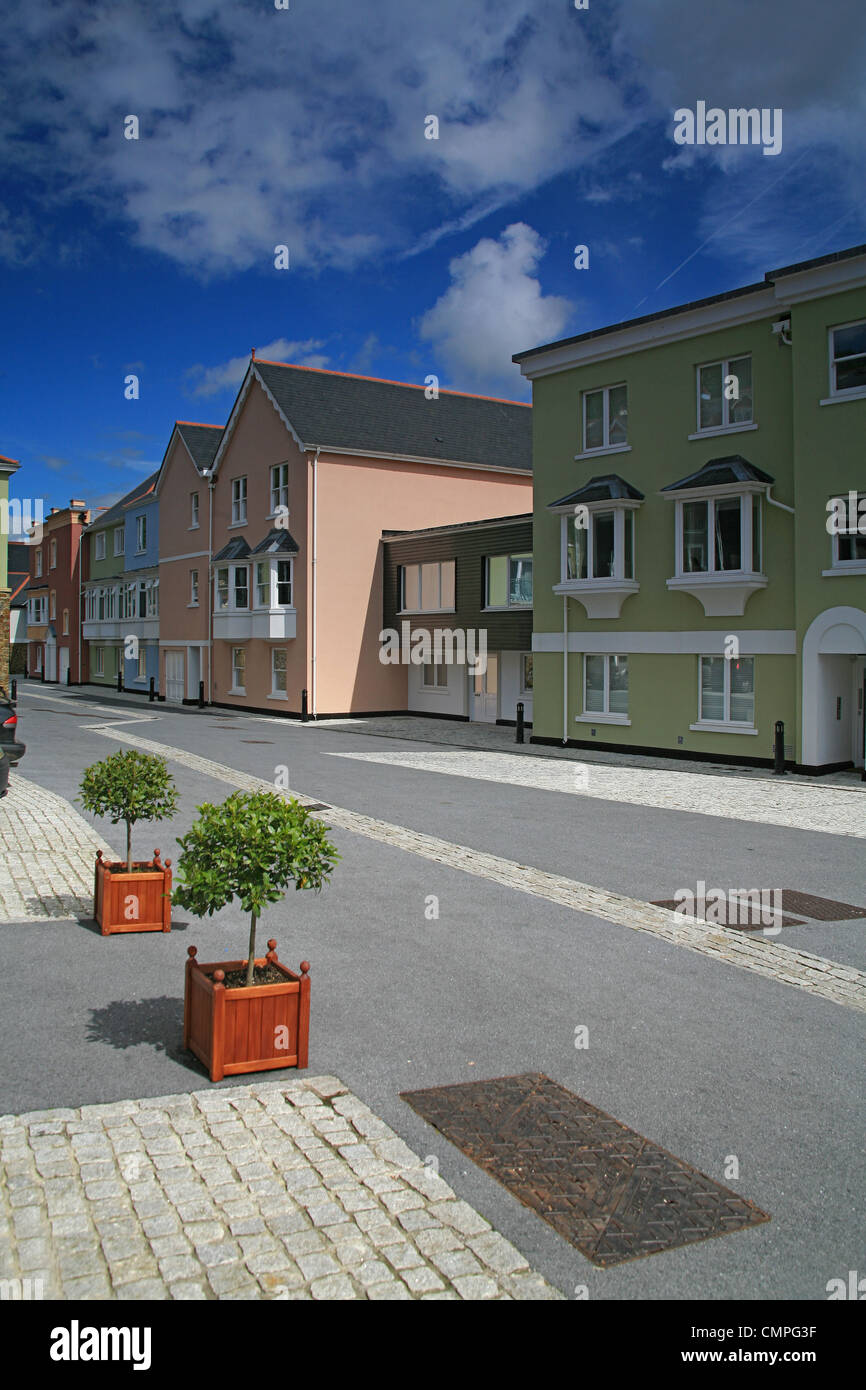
(753, 642)
(815, 634)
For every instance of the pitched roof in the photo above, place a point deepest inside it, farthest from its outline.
(608, 488)
(719, 472)
(237, 549)
(341, 412)
(118, 511)
(202, 441)
(278, 541)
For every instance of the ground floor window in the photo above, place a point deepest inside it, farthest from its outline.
(727, 690)
(141, 673)
(239, 662)
(605, 685)
(278, 670)
(526, 673)
(98, 661)
(435, 676)
(38, 660)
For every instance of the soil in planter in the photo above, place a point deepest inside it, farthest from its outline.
(262, 975)
(136, 869)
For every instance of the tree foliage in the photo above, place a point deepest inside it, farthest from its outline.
(129, 786)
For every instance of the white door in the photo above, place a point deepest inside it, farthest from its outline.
(858, 706)
(50, 660)
(194, 672)
(64, 664)
(174, 677)
(485, 692)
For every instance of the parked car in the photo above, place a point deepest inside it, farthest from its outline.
(9, 740)
(4, 773)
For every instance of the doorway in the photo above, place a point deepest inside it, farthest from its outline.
(484, 688)
(64, 665)
(174, 677)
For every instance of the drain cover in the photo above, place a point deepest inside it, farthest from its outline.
(315, 806)
(822, 909)
(608, 1191)
(737, 911)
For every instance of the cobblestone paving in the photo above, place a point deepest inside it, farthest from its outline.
(832, 810)
(46, 856)
(841, 984)
(281, 1190)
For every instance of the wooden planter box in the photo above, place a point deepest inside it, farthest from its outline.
(249, 1029)
(150, 886)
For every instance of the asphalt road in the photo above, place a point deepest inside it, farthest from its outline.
(703, 1058)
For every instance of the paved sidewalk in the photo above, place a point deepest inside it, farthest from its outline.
(283, 1189)
(47, 853)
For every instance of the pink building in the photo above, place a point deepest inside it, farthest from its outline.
(312, 466)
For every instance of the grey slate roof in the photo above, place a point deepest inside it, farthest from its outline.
(279, 541)
(607, 488)
(201, 440)
(237, 549)
(118, 511)
(731, 469)
(349, 412)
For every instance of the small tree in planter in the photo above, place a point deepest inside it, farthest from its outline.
(249, 1015)
(130, 787)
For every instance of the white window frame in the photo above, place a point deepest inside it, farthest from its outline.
(619, 510)
(37, 564)
(52, 554)
(837, 565)
(38, 658)
(193, 512)
(279, 491)
(239, 689)
(119, 540)
(65, 623)
(141, 533)
(52, 606)
(439, 668)
(727, 426)
(503, 607)
(746, 538)
(417, 565)
(98, 546)
(193, 589)
(606, 447)
(152, 599)
(726, 724)
(239, 501)
(848, 393)
(605, 716)
(98, 661)
(218, 606)
(524, 688)
(276, 693)
(141, 669)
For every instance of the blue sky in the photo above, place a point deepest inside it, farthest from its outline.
(408, 256)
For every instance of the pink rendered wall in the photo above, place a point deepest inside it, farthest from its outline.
(356, 500)
(178, 622)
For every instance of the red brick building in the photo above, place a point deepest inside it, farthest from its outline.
(54, 596)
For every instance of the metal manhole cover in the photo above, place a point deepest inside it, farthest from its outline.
(608, 1191)
(822, 909)
(738, 912)
(315, 806)
(257, 740)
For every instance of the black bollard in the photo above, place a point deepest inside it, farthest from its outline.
(304, 711)
(120, 678)
(519, 738)
(69, 675)
(201, 694)
(779, 751)
(151, 693)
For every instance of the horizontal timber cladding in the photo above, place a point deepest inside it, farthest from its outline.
(468, 546)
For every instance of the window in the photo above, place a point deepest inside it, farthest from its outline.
(278, 670)
(427, 588)
(263, 584)
(602, 550)
(241, 586)
(238, 670)
(52, 555)
(105, 604)
(239, 501)
(284, 583)
(38, 610)
(605, 685)
(142, 598)
(65, 629)
(605, 418)
(53, 608)
(130, 606)
(279, 487)
(99, 661)
(193, 511)
(140, 534)
(848, 358)
(847, 525)
(90, 605)
(152, 598)
(526, 673)
(193, 588)
(222, 588)
(727, 690)
(509, 581)
(435, 676)
(141, 669)
(725, 394)
(271, 576)
(719, 533)
(38, 559)
(119, 540)
(38, 660)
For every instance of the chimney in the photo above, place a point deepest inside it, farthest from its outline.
(252, 354)
(77, 502)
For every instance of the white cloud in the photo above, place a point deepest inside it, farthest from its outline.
(493, 307)
(229, 375)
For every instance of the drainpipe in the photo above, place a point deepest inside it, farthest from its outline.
(210, 488)
(772, 501)
(564, 669)
(313, 612)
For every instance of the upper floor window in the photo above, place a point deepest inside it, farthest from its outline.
(719, 534)
(37, 556)
(509, 581)
(725, 393)
(141, 533)
(98, 546)
(152, 598)
(427, 588)
(847, 525)
(232, 587)
(53, 607)
(119, 541)
(193, 588)
(239, 501)
(605, 418)
(274, 583)
(279, 487)
(90, 605)
(193, 511)
(65, 629)
(52, 554)
(602, 549)
(848, 358)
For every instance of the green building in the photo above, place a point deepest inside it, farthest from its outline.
(700, 525)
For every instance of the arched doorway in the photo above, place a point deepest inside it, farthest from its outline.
(834, 688)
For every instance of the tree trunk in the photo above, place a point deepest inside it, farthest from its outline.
(251, 963)
(128, 848)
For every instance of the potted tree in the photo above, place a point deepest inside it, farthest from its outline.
(251, 1014)
(131, 787)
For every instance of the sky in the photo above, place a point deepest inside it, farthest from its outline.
(308, 127)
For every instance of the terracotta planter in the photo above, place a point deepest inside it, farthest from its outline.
(139, 901)
(258, 1028)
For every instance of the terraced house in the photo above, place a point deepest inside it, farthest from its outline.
(121, 592)
(54, 595)
(693, 583)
